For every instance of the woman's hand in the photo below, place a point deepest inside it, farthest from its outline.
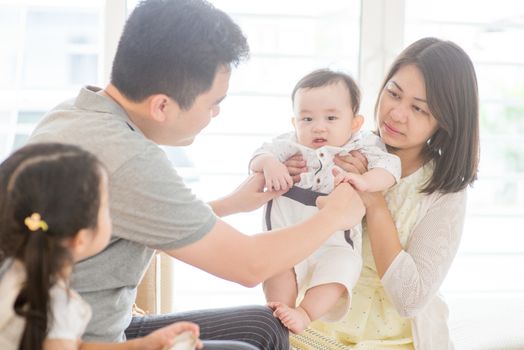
(296, 165)
(354, 162)
(164, 338)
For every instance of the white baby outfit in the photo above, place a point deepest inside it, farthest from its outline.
(338, 260)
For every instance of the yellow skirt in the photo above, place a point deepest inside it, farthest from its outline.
(311, 339)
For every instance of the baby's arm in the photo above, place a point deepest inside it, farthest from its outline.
(374, 180)
(276, 174)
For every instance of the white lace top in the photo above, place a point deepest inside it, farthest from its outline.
(415, 276)
(70, 313)
(430, 228)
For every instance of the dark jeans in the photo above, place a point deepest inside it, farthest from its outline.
(239, 328)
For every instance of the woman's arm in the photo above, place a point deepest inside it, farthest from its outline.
(381, 230)
(411, 277)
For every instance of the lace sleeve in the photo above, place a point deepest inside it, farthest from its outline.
(417, 273)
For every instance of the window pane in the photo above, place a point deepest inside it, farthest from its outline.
(70, 55)
(9, 38)
(491, 33)
(48, 49)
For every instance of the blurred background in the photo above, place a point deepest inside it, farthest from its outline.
(50, 48)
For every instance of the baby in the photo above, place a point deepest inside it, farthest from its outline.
(325, 106)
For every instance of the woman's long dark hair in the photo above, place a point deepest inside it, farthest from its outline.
(452, 95)
(62, 184)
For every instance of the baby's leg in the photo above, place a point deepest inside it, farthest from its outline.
(317, 302)
(281, 288)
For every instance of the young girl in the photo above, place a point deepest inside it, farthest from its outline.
(54, 212)
(427, 114)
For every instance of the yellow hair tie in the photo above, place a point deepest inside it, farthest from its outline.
(35, 222)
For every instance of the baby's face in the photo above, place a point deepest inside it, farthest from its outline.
(324, 116)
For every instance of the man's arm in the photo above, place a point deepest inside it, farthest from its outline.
(250, 195)
(249, 260)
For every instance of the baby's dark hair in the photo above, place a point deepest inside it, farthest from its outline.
(325, 77)
(61, 183)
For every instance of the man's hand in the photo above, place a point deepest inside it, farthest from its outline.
(250, 195)
(343, 205)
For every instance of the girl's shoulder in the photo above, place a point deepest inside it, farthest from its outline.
(70, 312)
(65, 298)
(12, 276)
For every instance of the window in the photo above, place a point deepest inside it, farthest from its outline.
(492, 248)
(287, 40)
(48, 49)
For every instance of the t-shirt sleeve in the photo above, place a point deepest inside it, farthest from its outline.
(416, 274)
(151, 205)
(70, 314)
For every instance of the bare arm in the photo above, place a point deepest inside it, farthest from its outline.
(249, 260)
(157, 340)
(249, 196)
(257, 164)
(381, 230)
(63, 344)
(275, 173)
(374, 180)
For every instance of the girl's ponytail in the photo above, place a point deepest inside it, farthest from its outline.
(48, 193)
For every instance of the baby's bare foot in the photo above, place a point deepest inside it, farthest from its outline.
(296, 320)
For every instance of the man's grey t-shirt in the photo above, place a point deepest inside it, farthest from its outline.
(151, 207)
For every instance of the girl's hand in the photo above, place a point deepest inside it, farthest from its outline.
(354, 162)
(296, 165)
(163, 338)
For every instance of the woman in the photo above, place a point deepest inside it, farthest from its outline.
(426, 114)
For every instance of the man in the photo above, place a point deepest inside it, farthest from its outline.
(169, 75)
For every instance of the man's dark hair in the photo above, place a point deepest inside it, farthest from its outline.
(325, 77)
(175, 47)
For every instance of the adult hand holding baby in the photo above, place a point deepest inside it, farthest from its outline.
(344, 205)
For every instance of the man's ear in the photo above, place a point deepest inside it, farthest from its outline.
(293, 122)
(357, 122)
(161, 106)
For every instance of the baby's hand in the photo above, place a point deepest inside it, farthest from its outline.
(356, 180)
(277, 176)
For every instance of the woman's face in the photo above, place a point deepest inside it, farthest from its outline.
(404, 120)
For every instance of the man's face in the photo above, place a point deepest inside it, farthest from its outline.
(188, 123)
